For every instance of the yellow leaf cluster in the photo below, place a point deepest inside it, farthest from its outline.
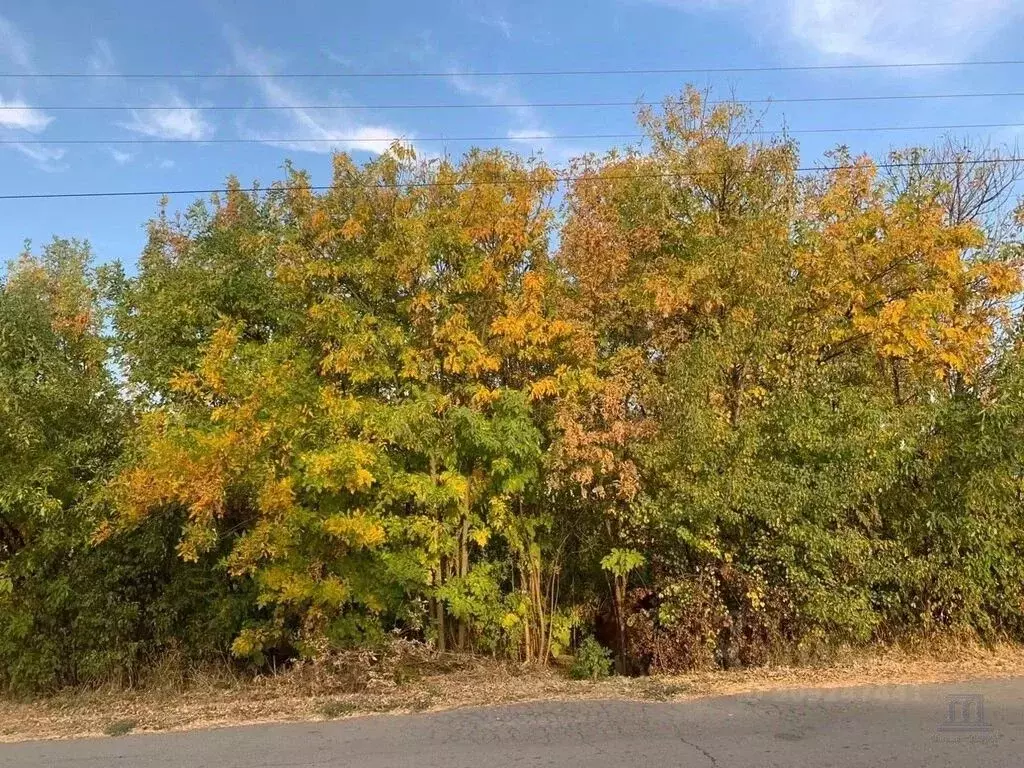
(356, 530)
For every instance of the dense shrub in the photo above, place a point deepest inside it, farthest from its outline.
(591, 662)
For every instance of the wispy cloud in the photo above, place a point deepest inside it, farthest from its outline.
(525, 134)
(496, 20)
(101, 59)
(180, 121)
(170, 116)
(337, 58)
(876, 31)
(527, 128)
(489, 13)
(905, 31)
(14, 46)
(120, 156)
(332, 130)
(501, 92)
(526, 122)
(17, 114)
(46, 158)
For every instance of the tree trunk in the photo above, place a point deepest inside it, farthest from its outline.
(896, 393)
(463, 571)
(619, 608)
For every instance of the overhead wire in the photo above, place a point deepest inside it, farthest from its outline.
(504, 105)
(509, 73)
(518, 138)
(561, 177)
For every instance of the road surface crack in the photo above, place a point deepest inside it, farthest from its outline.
(699, 748)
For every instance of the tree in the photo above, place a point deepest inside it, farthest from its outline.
(385, 430)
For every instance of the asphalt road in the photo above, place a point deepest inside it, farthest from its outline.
(901, 725)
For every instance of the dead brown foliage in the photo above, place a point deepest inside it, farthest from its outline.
(413, 678)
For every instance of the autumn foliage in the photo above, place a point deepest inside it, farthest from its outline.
(683, 395)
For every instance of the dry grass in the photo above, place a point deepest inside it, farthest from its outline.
(413, 680)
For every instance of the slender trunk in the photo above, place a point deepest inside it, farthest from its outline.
(552, 602)
(896, 382)
(433, 606)
(441, 639)
(527, 634)
(538, 602)
(440, 575)
(464, 547)
(463, 571)
(735, 393)
(618, 606)
(619, 599)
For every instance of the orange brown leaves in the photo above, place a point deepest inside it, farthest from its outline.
(893, 274)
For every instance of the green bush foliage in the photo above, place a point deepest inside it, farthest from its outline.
(592, 661)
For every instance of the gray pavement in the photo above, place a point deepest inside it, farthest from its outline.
(963, 725)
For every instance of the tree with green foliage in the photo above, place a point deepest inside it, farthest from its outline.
(711, 409)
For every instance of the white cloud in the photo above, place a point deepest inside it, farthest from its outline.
(14, 46)
(337, 58)
(877, 31)
(897, 32)
(121, 157)
(499, 93)
(19, 115)
(165, 164)
(528, 129)
(16, 114)
(181, 121)
(333, 130)
(528, 135)
(46, 158)
(554, 150)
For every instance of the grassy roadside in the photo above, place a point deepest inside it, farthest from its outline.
(429, 684)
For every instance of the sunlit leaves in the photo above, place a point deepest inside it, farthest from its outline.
(404, 401)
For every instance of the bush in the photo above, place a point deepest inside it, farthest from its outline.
(86, 615)
(592, 662)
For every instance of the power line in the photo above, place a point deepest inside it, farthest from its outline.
(561, 178)
(509, 73)
(338, 140)
(509, 105)
(516, 138)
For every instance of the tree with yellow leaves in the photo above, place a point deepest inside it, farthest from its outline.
(363, 448)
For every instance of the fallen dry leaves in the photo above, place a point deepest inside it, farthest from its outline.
(430, 683)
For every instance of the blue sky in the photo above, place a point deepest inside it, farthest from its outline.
(115, 38)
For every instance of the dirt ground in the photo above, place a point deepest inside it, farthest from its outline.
(419, 682)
